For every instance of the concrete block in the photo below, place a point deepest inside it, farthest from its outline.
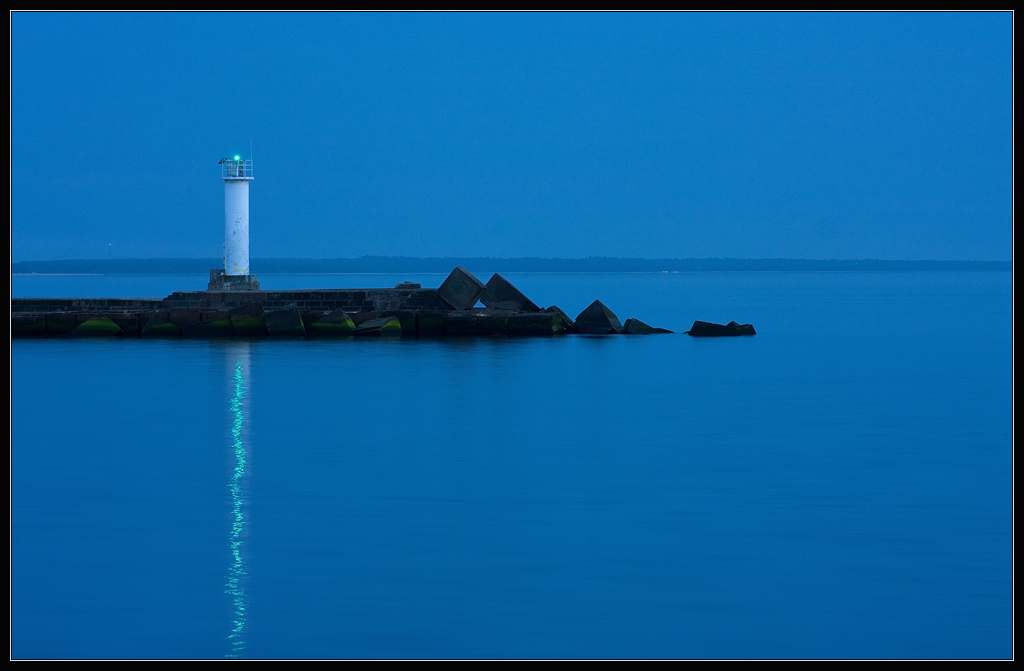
(431, 323)
(248, 320)
(284, 323)
(182, 317)
(381, 327)
(215, 324)
(535, 324)
(478, 322)
(460, 324)
(709, 330)
(637, 327)
(364, 316)
(128, 321)
(568, 325)
(598, 319)
(60, 324)
(159, 325)
(493, 322)
(461, 289)
(500, 294)
(420, 299)
(309, 317)
(407, 318)
(336, 323)
(95, 327)
(28, 325)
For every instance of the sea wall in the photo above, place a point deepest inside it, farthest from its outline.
(405, 310)
(351, 300)
(255, 320)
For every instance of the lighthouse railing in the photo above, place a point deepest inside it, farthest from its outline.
(241, 169)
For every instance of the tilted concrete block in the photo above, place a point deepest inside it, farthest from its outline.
(336, 323)
(709, 330)
(284, 323)
(215, 324)
(501, 294)
(159, 325)
(382, 326)
(248, 320)
(128, 321)
(637, 327)
(568, 325)
(598, 319)
(407, 318)
(365, 316)
(308, 317)
(461, 289)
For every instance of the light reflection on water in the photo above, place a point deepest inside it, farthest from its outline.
(238, 354)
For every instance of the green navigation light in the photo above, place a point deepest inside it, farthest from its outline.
(236, 158)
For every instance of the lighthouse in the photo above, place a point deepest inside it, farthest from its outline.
(236, 174)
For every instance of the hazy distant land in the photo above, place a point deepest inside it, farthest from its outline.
(406, 264)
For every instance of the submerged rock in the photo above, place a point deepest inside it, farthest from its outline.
(709, 330)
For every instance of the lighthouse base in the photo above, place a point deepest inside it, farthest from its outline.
(221, 281)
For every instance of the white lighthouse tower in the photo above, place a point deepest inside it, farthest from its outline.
(236, 173)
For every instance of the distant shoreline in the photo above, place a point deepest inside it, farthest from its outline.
(384, 264)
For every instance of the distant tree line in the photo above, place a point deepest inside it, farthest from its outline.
(407, 264)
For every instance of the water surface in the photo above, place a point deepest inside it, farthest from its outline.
(839, 485)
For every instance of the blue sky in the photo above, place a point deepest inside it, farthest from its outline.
(554, 135)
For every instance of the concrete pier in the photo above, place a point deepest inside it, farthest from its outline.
(406, 310)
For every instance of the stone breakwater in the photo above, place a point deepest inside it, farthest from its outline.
(407, 310)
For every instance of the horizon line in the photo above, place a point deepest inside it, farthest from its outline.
(518, 258)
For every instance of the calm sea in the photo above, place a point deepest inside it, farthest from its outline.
(839, 485)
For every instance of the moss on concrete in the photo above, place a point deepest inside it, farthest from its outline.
(96, 327)
(336, 323)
